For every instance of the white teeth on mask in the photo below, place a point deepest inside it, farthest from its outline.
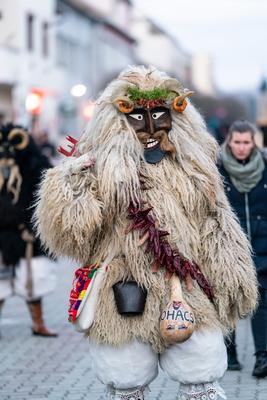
(151, 143)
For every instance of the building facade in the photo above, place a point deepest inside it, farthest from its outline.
(49, 47)
(27, 59)
(57, 55)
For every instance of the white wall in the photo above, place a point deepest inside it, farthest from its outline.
(10, 24)
(24, 69)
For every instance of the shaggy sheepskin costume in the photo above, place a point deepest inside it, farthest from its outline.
(84, 211)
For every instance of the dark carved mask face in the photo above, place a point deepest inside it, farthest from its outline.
(152, 127)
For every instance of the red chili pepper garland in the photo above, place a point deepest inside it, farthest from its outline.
(164, 255)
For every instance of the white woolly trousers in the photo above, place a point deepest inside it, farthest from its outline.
(201, 359)
(43, 272)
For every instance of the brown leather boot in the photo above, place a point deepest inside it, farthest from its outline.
(39, 328)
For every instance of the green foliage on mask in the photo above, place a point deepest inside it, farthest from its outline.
(136, 94)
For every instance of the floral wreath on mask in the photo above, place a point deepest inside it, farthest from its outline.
(137, 98)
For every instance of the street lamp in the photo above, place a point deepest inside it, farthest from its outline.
(78, 90)
(33, 103)
(88, 110)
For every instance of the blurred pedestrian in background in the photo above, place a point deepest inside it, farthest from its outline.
(24, 269)
(244, 169)
(47, 148)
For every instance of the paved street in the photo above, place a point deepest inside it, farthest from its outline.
(33, 368)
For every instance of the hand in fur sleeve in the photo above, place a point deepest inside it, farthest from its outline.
(68, 211)
(228, 265)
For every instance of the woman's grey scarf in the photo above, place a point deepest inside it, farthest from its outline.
(243, 176)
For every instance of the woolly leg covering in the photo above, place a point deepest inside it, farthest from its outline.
(127, 394)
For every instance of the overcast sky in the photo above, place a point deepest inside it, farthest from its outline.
(233, 32)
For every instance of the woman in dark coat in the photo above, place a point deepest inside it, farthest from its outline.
(245, 175)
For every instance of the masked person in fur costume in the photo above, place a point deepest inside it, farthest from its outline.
(24, 269)
(141, 201)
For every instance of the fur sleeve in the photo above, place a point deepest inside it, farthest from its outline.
(68, 210)
(227, 262)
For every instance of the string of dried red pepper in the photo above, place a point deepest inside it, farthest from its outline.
(164, 255)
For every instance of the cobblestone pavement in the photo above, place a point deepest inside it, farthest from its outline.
(33, 368)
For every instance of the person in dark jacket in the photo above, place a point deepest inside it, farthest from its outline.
(24, 268)
(245, 175)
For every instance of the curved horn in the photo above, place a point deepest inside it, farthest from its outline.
(172, 84)
(19, 133)
(123, 104)
(179, 103)
(187, 93)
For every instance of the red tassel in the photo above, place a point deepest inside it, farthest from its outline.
(72, 146)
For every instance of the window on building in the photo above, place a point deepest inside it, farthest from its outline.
(30, 32)
(67, 53)
(45, 40)
(61, 51)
